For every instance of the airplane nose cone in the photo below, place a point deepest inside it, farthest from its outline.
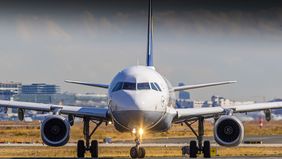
(136, 109)
(142, 102)
(127, 100)
(124, 100)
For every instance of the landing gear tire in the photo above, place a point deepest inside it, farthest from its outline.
(80, 149)
(142, 152)
(94, 149)
(193, 149)
(185, 150)
(134, 152)
(137, 152)
(207, 149)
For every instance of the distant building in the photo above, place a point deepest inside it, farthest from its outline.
(184, 100)
(92, 99)
(47, 94)
(224, 102)
(38, 93)
(183, 94)
(184, 103)
(39, 88)
(207, 103)
(220, 101)
(199, 104)
(64, 98)
(7, 90)
(215, 101)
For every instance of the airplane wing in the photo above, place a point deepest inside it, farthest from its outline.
(209, 112)
(186, 87)
(88, 84)
(91, 112)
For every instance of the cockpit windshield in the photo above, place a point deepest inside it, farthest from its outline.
(154, 87)
(159, 88)
(129, 86)
(143, 86)
(117, 87)
(138, 86)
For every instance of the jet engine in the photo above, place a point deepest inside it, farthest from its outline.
(55, 130)
(228, 131)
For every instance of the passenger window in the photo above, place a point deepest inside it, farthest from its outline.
(129, 86)
(159, 88)
(117, 87)
(154, 87)
(143, 86)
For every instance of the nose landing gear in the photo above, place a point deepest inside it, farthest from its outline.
(137, 151)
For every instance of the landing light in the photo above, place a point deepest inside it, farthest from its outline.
(134, 131)
(141, 131)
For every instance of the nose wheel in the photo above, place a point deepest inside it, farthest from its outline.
(137, 151)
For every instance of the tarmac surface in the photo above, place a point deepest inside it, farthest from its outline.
(143, 145)
(270, 141)
(266, 141)
(275, 139)
(215, 157)
(167, 158)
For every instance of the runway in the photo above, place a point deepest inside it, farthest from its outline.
(274, 143)
(275, 139)
(143, 145)
(160, 158)
(214, 157)
(267, 141)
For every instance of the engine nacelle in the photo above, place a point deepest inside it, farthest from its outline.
(228, 131)
(55, 130)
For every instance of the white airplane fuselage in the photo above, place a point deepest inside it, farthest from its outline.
(139, 97)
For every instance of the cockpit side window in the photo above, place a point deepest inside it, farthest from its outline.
(117, 87)
(129, 86)
(154, 87)
(143, 86)
(159, 88)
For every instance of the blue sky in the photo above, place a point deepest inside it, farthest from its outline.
(193, 45)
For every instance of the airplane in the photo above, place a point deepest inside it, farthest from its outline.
(141, 99)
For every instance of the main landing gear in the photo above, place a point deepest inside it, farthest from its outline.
(137, 151)
(195, 149)
(93, 147)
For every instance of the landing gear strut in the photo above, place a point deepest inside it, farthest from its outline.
(93, 147)
(137, 151)
(200, 148)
